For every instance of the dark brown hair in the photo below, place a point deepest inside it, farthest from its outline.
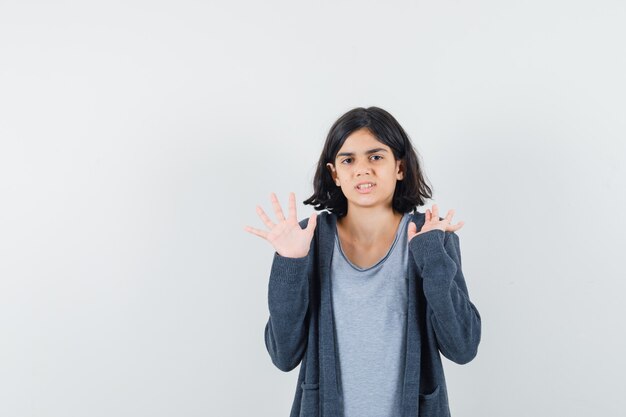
(410, 193)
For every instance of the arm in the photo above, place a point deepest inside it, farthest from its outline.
(454, 317)
(288, 299)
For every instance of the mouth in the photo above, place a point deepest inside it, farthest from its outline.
(365, 187)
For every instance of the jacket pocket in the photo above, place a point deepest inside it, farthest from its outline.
(309, 406)
(429, 404)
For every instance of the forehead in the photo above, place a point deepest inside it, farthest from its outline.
(361, 140)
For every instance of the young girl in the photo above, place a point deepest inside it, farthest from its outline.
(366, 296)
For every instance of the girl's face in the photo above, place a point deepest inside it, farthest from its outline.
(366, 170)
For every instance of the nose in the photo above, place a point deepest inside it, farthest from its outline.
(362, 168)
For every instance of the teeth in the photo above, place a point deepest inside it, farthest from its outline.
(370, 185)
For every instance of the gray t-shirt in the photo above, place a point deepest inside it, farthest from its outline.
(370, 312)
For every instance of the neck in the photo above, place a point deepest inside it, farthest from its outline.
(366, 225)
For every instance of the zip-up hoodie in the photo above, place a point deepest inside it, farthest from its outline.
(440, 319)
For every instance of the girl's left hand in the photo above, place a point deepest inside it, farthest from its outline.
(432, 222)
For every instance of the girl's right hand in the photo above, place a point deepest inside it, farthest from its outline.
(286, 236)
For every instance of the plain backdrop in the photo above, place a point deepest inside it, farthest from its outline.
(137, 137)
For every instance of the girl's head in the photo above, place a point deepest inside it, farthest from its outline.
(368, 145)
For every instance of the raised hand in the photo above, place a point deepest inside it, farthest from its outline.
(432, 222)
(286, 235)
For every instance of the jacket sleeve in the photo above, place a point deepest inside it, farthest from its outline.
(288, 299)
(455, 319)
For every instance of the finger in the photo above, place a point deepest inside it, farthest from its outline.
(428, 215)
(435, 211)
(268, 222)
(292, 206)
(449, 215)
(279, 212)
(458, 225)
(454, 228)
(257, 232)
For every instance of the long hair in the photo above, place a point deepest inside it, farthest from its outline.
(409, 194)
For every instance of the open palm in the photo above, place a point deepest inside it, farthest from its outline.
(432, 222)
(286, 235)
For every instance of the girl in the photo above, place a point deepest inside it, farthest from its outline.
(364, 300)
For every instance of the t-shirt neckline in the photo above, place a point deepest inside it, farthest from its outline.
(380, 261)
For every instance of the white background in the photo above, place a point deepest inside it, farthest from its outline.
(138, 136)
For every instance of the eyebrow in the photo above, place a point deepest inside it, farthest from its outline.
(366, 152)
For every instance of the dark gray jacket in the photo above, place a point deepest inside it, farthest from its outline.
(441, 318)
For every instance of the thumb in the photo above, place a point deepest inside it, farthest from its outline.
(412, 228)
(310, 227)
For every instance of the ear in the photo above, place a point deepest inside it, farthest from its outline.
(400, 169)
(333, 173)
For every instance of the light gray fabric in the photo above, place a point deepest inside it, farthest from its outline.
(441, 320)
(369, 310)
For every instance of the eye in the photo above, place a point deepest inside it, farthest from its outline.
(377, 156)
(347, 159)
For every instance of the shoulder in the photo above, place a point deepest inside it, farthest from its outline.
(418, 218)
